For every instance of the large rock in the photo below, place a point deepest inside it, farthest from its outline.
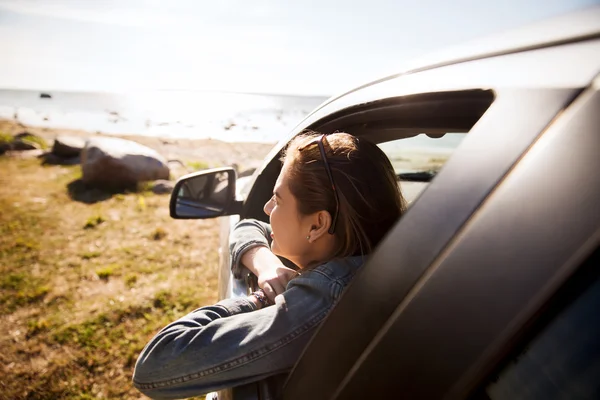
(118, 163)
(53, 159)
(68, 146)
(163, 186)
(24, 144)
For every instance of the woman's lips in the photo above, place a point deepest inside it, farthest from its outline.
(272, 235)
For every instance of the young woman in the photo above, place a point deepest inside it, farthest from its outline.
(334, 200)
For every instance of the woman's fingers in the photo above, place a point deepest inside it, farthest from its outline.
(277, 286)
(269, 292)
(284, 275)
(277, 278)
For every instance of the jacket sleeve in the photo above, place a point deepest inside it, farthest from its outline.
(231, 343)
(247, 234)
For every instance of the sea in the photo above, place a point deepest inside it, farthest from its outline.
(171, 114)
(230, 117)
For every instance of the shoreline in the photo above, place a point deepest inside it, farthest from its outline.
(224, 116)
(214, 152)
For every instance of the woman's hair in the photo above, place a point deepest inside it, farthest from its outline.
(370, 201)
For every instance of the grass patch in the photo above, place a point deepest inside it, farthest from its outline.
(145, 187)
(197, 165)
(141, 203)
(72, 335)
(131, 279)
(5, 138)
(93, 222)
(41, 142)
(107, 271)
(37, 326)
(91, 254)
(158, 234)
(19, 289)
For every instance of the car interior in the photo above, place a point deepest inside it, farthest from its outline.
(389, 123)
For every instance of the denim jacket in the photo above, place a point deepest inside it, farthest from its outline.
(232, 343)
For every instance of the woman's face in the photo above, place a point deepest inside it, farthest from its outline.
(290, 228)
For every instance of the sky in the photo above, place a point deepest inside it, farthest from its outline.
(306, 47)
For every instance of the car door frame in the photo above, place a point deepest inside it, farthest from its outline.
(549, 100)
(378, 295)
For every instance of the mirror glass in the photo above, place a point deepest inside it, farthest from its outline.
(202, 196)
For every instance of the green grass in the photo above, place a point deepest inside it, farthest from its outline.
(5, 138)
(41, 142)
(108, 271)
(86, 285)
(93, 221)
(131, 279)
(19, 289)
(90, 254)
(158, 234)
(197, 165)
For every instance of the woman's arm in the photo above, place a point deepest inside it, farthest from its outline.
(249, 247)
(232, 343)
(246, 235)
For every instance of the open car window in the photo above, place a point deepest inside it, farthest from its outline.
(417, 159)
(395, 124)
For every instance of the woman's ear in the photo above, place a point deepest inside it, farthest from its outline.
(321, 221)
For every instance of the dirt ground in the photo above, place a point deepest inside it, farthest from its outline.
(85, 284)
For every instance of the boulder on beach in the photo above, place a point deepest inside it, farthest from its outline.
(162, 186)
(118, 163)
(45, 96)
(52, 159)
(68, 146)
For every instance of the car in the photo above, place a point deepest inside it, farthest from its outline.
(488, 287)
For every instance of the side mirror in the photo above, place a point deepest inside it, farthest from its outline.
(205, 194)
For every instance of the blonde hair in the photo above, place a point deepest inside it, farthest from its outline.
(370, 201)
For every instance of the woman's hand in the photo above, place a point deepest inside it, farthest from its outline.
(273, 279)
(272, 274)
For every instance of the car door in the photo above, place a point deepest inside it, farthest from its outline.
(469, 267)
(504, 115)
(476, 103)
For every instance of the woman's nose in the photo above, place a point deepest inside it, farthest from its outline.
(268, 207)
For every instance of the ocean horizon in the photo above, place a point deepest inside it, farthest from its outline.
(177, 114)
(226, 116)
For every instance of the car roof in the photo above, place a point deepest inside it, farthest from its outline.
(545, 65)
(572, 27)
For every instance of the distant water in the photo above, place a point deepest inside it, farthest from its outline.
(169, 114)
(232, 117)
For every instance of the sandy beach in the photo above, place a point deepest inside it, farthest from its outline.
(213, 152)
